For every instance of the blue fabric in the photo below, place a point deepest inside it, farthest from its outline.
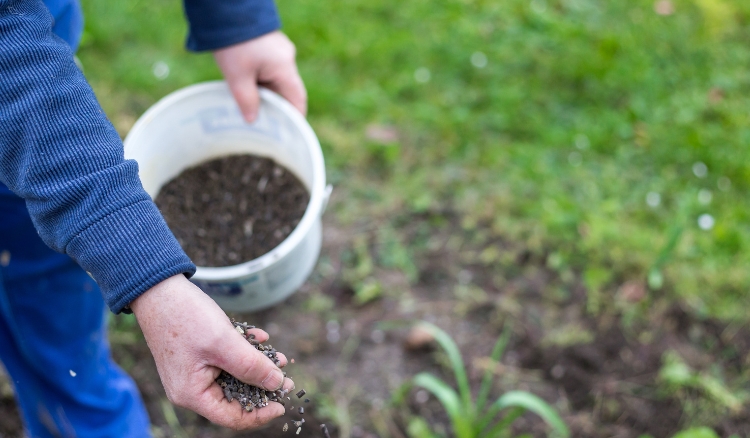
(80, 197)
(53, 343)
(53, 331)
(68, 23)
(218, 24)
(59, 152)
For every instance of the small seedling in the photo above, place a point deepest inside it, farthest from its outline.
(479, 418)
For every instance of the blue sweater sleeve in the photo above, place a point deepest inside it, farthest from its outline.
(217, 24)
(59, 152)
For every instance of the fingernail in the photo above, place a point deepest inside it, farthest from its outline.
(250, 117)
(273, 381)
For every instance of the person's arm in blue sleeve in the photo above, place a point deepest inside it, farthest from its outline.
(59, 152)
(218, 24)
(249, 48)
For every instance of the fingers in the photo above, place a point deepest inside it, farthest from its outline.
(269, 60)
(291, 88)
(245, 92)
(289, 85)
(282, 359)
(229, 414)
(260, 335)
(249, 365)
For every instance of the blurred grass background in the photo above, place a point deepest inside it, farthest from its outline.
(598, 133)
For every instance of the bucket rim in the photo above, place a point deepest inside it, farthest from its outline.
(318, 191)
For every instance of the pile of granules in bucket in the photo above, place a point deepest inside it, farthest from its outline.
(252, 397)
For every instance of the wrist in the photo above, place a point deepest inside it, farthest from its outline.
(162, 292)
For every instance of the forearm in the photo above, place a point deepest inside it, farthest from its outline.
(60, 153)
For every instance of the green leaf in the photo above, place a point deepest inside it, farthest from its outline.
(398, 396)
(675, 372)
(655, 279)
(418, 428)
(460, 419)
(530, 402)
(497, 352)
(504, 424)
(697, 432)
(457, 363)
(367, 290)
(666, 252)
(170, 416)
(719, 392)
(595, 279)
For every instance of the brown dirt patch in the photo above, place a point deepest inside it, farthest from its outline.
(601, 371)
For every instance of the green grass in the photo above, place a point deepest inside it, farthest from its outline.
(582, 109)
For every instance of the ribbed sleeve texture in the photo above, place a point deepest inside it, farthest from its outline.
(59, 152)
(217, 24)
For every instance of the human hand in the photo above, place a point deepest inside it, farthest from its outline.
(267, 60)
(192, 340)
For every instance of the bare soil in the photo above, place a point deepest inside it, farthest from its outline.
(599, 369)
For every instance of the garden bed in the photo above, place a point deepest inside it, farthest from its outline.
(604, 372)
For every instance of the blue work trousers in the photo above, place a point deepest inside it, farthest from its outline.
(53, 332)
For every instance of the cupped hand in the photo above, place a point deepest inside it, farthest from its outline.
(192, 340)
(268, 60)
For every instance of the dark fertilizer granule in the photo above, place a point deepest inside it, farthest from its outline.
(232, 209)
(252, 397)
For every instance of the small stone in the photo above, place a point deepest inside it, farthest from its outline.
(633, 291)
(664, 7)
(299, 429)
(285, 428)
(418, 339)
(325, 431)
(262, 184)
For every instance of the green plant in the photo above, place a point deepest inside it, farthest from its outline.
(677, 376)
(359, 273)
(480, 418)
(697, 432)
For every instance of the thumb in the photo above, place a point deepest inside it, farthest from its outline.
(249, 365)
(245, 92)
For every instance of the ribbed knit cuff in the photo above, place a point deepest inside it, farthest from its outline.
(128, 252)
(215, 25)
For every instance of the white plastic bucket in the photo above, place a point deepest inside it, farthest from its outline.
(202, 122)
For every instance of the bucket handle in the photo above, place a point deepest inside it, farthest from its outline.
(326, 197)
